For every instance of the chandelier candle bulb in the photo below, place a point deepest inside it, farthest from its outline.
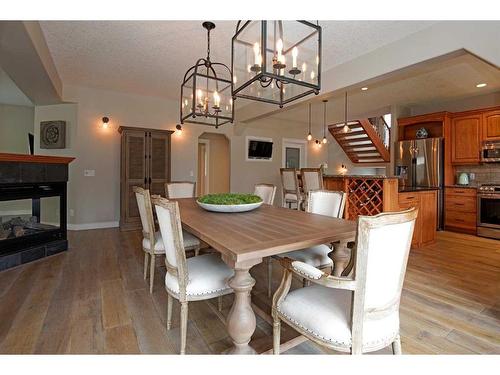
(216, 100)
(295, 53)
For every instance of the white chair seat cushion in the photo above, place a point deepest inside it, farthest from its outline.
(190, 241)
(316, 256)
(291, 197)
(326, 314)
(208, 274)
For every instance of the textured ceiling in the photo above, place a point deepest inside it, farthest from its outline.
(151, 57)
(429, 83)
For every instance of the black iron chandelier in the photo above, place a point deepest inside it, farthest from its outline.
(276, 61)
(206, 91)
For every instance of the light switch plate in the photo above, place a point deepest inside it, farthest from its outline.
(89, 172)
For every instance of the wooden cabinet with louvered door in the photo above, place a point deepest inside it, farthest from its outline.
(491, 126)
(145, 162)
(465, 139)
(159, 162)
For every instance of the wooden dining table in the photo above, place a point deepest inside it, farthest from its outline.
(245, 239)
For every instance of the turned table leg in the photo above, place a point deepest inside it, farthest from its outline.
(241, 319)
(341, 255)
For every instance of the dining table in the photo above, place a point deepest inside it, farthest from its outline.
(244, 239)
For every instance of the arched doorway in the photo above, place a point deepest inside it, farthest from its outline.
(213, 164)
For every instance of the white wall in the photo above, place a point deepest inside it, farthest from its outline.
(95, 200)
(16, 122)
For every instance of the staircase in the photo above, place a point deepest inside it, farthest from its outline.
(364, 141)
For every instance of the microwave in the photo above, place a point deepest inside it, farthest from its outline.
(490, 152)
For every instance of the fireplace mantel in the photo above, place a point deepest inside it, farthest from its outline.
(24, 158)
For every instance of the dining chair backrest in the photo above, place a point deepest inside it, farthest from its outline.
(145, 212)
(326, 202)
(289, 180)
(312, 179)
(180, 189)
(382, 247)
(266, 192)
(169, 222)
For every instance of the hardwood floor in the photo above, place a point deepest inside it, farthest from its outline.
(93, 299)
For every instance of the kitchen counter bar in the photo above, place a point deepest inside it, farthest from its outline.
(378, 177)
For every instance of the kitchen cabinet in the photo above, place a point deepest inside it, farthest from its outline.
(460, 210)
(426, 223)
(465, 139)
(491, 126)
(145, 162)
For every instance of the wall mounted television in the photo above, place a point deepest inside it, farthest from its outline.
(260, 149)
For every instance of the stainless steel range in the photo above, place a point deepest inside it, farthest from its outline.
(488, 211)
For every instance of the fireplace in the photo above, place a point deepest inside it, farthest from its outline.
(32, 208)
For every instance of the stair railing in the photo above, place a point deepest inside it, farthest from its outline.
(382, 129)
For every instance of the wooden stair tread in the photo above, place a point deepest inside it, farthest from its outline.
(366, 146)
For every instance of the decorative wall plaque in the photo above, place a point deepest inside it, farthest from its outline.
(53, 134)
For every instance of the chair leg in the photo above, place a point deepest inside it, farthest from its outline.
(305, 283)
(276, 336)
(197, 251)
(184, 318)
(170, 301)
(146, 261)
(219, 303)
(396, 346)
(152, 273)
(269, 277)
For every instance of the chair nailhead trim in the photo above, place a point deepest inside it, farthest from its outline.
(200, 294)
(385, 341)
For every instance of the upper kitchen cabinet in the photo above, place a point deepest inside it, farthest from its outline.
(491, 125)
(465, 138)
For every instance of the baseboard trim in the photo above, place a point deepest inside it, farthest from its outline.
(88, 226)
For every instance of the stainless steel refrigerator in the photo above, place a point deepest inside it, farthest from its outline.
(419, 164)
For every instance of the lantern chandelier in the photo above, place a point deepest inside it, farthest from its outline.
(276, 61)
(206, 91)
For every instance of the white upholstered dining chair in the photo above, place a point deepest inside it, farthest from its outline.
(194, 279)
(152, 242)
(358, 314)
(180, 189)
(266, 192)
(312, 179)
(321, 202)
(291, 188)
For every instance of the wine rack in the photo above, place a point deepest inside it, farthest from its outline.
(365, 196)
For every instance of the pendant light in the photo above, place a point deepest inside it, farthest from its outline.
(309, 136)
(276, 61)
(206, 91)
(346, 129)
(324, 121)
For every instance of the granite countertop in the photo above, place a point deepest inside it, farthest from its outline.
(462, 186)
(374, 176)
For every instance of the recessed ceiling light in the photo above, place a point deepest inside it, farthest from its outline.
(481, 85)
(364, 88)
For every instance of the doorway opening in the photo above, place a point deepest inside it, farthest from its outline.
(213, 164)
(294, 153)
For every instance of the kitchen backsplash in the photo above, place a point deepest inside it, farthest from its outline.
(484, 173)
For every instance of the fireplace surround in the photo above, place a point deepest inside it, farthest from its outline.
(32, 185)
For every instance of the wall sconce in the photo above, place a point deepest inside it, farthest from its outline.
(178, 129)
(343, 169)
(318, 143)
(105, 123)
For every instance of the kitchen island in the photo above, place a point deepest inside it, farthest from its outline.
(372, 194)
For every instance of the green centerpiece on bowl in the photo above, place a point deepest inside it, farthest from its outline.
(229, 198)
(229, 202)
